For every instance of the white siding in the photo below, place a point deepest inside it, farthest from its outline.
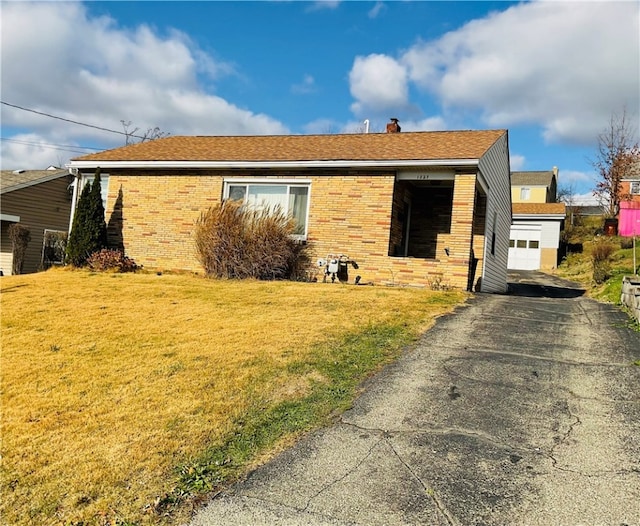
(550, 234)
(494, 167)
(550, 231)
(6, 250)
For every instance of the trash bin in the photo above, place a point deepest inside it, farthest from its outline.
(611, 227)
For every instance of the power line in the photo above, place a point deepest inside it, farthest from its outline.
(71, 121)
(75, 147)
(64, 150)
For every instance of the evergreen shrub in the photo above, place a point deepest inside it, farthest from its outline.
(89, 229)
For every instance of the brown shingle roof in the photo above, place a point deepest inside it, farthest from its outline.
(14, 180)
(374, 146)
(538, 208)
(531, 178)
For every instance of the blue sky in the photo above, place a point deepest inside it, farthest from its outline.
(552, 73)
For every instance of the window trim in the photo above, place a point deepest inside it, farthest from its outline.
(637, 187)
(104, 185)
(261, 181)
(525, 193)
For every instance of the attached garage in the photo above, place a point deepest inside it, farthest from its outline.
(534, 239)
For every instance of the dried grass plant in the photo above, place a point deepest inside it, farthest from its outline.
(237, 241)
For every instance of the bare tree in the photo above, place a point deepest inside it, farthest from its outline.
(567, 194)
(149, 135)
(617, 157)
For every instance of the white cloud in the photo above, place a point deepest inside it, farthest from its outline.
(308, 85)
(567, 177)
(90, 70)
(31, 151)
(565, 66)
(378, 83)
(376, 10)
(517, 162)
(322, 127)
(586, 199)
(324, 4)
(435, 123)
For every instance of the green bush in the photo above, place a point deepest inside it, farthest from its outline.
(20, 237)
(113, 260)
(626, 242)
(236, 241)
(89, 229)
(601, 272)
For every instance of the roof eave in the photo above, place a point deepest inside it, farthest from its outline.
(555, 217)
(392, 163)
(34, 182)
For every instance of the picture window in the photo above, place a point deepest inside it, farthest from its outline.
(291, 198)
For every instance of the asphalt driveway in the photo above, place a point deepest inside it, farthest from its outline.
(519, 409)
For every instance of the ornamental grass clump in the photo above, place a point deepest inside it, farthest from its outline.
(237, 241)
(601, 251)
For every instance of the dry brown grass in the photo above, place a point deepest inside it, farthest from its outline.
(110, 381)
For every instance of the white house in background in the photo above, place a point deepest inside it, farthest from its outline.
(537, 221)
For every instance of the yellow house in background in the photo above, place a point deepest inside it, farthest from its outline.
(534, 187)
(538, 219)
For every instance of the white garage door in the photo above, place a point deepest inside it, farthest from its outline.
(524, 247)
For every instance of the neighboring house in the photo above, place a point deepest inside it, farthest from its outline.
(629, 213)
(586, 210)
(39, 200)
(631, 189)
(537, 221)
(534, 187)
(630, 185)
(418, 208)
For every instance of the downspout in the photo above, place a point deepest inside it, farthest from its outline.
(74, 198)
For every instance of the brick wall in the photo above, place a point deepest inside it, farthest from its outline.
(153, 216)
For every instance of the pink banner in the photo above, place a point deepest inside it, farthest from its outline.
(629, 223)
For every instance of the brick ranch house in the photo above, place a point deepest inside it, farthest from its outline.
(415, 208)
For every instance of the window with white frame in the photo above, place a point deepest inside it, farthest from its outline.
(634, 187)
(525, 193)
(290, 197)
(104, 186)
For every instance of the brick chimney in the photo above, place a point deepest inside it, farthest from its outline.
(393, 126)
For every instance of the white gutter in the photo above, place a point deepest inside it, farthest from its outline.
(74, 199)
(274, 164)
(10, 218)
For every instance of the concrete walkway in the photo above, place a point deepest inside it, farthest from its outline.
(522, 409)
